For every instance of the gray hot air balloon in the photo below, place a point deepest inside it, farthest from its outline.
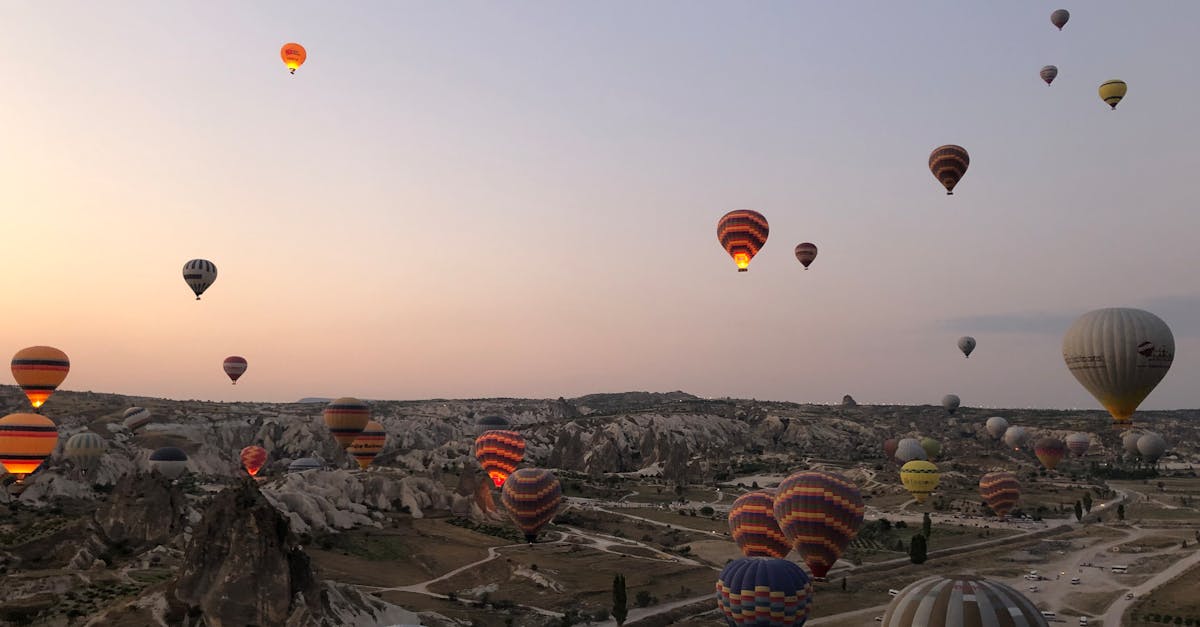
(1119, 355)
(996, 426)
(1129, 442)
(135, 418)
(966, 344)
(1016, 437)
(169, 461)
(960, 600)
(1048, 73)
(909, 449)
(950, 403)
(1079, 443)
(1151, 447)
(199, 275)
(1059, 18)
(85, 449)
(305, 463)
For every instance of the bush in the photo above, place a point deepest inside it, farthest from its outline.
(706, 511)
(643, 598)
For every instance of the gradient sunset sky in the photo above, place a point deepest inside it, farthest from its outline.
(468, 199)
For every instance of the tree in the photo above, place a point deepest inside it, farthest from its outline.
(620, 608)
(1087, 502)
(916, 551)
(1121, 511)
(1078, 510)
(926, 526)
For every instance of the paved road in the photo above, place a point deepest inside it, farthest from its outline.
(1112, 616)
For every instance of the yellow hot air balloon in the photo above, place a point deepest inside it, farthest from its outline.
(368, 444)
(26, 440)
(1111, 92)
(39, 370)
(293, 55)
(920, 478)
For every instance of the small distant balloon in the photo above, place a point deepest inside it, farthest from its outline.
(996, 426)
(169, 461)
(1050, 451)
(346, 417)
(39, 370)
(920, 478)
(85, 449)
(806, 252)
(199, 275)
(1001, 491)
(1079, 443)
(1059, 18)
(948, 164)
(1048, 73)
(293, 55)
(253, 458)
(1112, 91)
(950, 403)
(135, 418)
(966, 344)
(368, 444)
(742, 233)
(1016, 437)
(235, 367)
(532, 497)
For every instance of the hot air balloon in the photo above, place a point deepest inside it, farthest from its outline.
(85, 449)
(368, 444)
(532, 497)
(305, 463)
(1050, 451)
(996, 426)
(909, 449)
(1112, 91)
(253, 458)
(199, 275)
(966, 344)
(948, 164)
(1048, 73)
(169, 461)
(742, 233)
(753, 527)
(1151, 447)
(1119, 355)
(26, 440)
(820, 513)
(1016, 437)
(1129, 442)
(950, 403)
(933, 448)
(39, 370)
(235, 367)
(346, 418)
(293, 56)
(1001, 491)
(1079, 443)
(889, 448)
(135, 418)
(1059, 18)
(806, 253)
(491, 423)
(958, 601)
(764, 592)
(498, 453)
(920, 478)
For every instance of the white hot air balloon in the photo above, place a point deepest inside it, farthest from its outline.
(909, 449)
(1016, 437)
(1119, 355)
(966, 344)
(950, 403)
(1151, 446)
(996, 426)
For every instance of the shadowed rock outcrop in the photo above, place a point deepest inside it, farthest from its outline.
(145, 510)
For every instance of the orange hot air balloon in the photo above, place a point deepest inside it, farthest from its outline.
(293, 55)
(368, 444)
(498, 453)
(253, 458)
(26, 440)
(39, 370)
(742, 233)
(346, 418)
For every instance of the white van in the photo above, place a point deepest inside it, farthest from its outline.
(1075, 581)
(1120, 569)
(1049, 614)
(893, 592)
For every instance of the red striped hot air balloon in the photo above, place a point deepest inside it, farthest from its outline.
(39, 370)
(820, 513)
(253, 458)
(26, 440)
(346, 418)
(742, 233)
(1049, 451)
(753, 526)
(948, 164)
(368, 444)
(499, 452)
(1001, 491)
(235, 367)
(806, 253)
(532, 497)
(1079, 443)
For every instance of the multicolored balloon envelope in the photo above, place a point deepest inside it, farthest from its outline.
(960, 601)
(39, 370)
(26, 440)
(199, 274)
(1001, 491)
(85, 449)
(806, 253)
(1119, 355)
(499, 453)
(1050, 451)
(293, 55)
(368, 444)
(169, 461)
(764, 592)
(753, 527)
(532, 497)
(820, 513)
(742, 233)
(234, 367)
(253, 458)
(1079, 443)
(949, 163)
(346, 418)
(920, 478)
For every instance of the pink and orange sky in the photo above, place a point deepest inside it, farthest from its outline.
(493, 199)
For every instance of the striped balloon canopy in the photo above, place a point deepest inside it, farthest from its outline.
(368, 444)
(806, 253)
(253, 457)
(135, 418)
(948, 164)
(820, 513)
(26, 440)
(1049, 451)
(1048, 73)
(346, 417)
(764, 592)
(742, 233)
(234, 367)
(532, 497)
(1079, 443)
(199, 274)
(85, 449)
(753, 527)
(39, 370)
(1001, 491)
(961, 601)
(920, 478)
(305, 463)
(499, 453)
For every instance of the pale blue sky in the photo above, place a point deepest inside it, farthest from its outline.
(519, 199)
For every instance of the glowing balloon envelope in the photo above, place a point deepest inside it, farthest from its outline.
(1112, 91)
(26, 440)
(499, 453)
(764, 592)
(293, 55)
(368, 444)
(949, 163)
(1050, 451)
(253, 458)
(346, 417)
(820, 513)
(235, 367)
(1119, 355)
(753, 527)
(199, 274)
(920, 478)
(742, 233)
(1001, 491)
(806, 253)
(39, 370)
(532, 497)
